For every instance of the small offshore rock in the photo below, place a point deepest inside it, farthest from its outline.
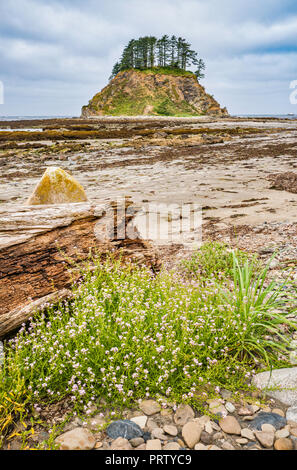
(283, 444)
(124, 428)
(150, 407)
(183, 414)
(268, 418)
(191, 433)
(230, 425)
(154, 444)
(266, 439)
(77, 439)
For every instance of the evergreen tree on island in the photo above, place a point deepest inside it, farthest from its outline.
(148, 52)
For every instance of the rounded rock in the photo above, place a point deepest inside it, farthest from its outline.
(124, 428)
(283, 444)
(150, 407)
(183, 414)
(77, 439)
(191, 433)
(230, 425)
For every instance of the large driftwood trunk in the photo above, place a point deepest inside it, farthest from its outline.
(35, 243)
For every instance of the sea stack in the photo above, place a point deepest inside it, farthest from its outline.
(149, 92)
(57, 187)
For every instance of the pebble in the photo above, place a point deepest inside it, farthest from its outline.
(120, 444)
(124, 428)
(172, 446)
(291, 414)
(150, 407)
(200, 447)
(184, 413)
(206, 438)
(140, 421)
(230, 425)
(151, 424)
(137, 441)
(171, 430)
(157, 433)
(266, 439)
(278, 411)
(230, 407)
(283, 444)
(242, 441)
(248, 434)
(77, 439)
(191, 433)
(268, 418)
(216, 407)
(268, 428)
(294, 432)
(243, 411)
(282, 433)
(154, 444)
(227, 446)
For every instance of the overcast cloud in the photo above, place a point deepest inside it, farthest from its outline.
(55, 55)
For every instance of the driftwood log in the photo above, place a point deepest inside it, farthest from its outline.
(36, 245)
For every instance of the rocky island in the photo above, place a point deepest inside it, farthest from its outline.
(152, 78)
(153, 92)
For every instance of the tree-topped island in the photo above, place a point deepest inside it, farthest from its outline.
(154, 77)
(148, 52)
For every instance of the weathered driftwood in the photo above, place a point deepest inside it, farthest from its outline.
(37, 241)
(13, 319)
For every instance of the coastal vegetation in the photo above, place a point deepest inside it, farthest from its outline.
(166, 55)
(128, 334)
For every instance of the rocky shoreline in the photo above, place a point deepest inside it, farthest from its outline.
(233, 169)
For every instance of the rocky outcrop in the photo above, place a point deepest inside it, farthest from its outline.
(135, 92)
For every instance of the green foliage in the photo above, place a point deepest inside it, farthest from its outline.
(149, 52)
(213, 260)
(128, 334)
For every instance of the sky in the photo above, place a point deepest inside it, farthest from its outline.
(56, 54)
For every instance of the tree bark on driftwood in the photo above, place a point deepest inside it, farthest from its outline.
(35, 243)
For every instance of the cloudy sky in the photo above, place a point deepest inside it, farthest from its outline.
(56, 54)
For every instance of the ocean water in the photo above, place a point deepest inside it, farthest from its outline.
(32, 118)
(278, 116)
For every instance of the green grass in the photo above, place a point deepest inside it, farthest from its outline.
(129, 334)
(214, 260)
(166, 71)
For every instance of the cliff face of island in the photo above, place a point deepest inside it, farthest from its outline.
(134, 92)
